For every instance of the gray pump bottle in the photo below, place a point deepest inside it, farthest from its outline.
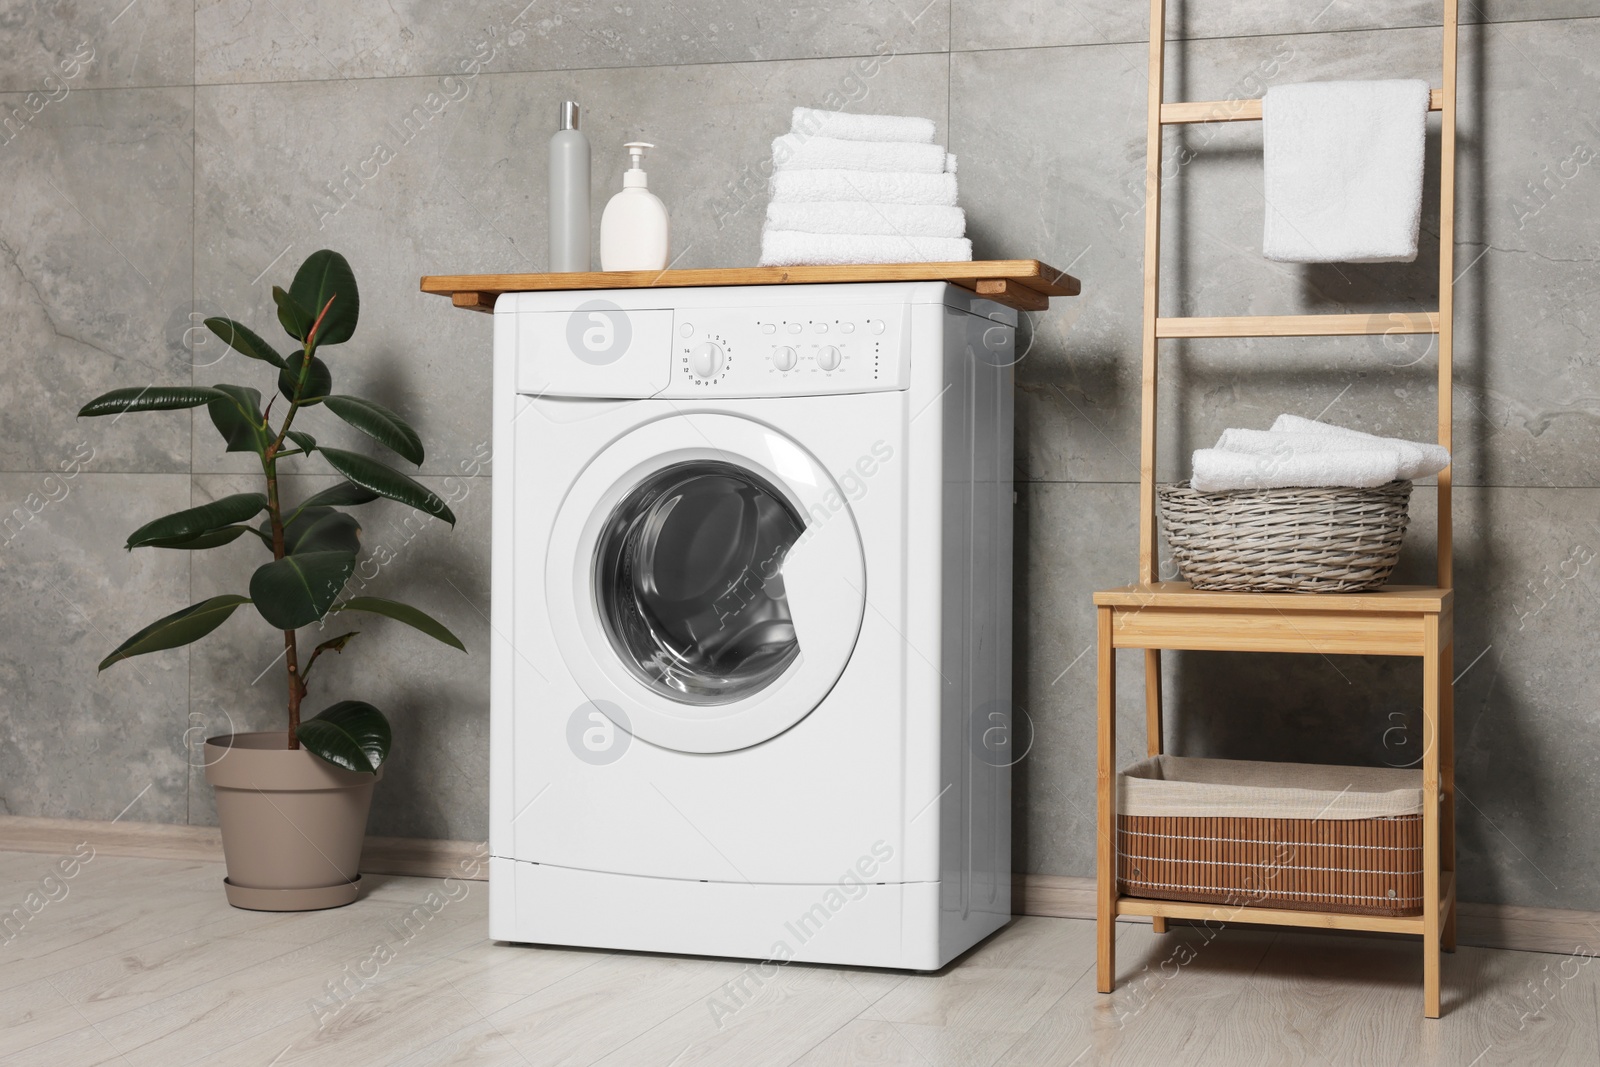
(569, 194)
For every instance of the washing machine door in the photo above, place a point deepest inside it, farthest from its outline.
(706, 577)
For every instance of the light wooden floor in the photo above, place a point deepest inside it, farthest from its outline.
(142, 962)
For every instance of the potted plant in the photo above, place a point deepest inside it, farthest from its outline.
(292, 803)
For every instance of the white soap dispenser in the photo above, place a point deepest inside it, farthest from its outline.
(634, 227)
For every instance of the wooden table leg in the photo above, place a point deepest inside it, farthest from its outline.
(1153, 730)
(1106, 806)
(1447, 780)
(1430, 816)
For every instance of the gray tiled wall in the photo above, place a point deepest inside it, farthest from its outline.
(203, 148)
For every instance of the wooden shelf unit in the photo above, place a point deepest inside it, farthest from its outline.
(1024, 284)
(1397, 621)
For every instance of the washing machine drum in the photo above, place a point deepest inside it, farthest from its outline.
(689, 581)
(705, 577)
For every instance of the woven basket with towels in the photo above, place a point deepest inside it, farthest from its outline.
(1305, 507)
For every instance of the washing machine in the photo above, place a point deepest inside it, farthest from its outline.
(751, 621)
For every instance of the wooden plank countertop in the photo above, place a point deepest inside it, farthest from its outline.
(1024, 284)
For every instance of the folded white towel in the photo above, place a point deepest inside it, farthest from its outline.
(1216, 471)
(849, 216)
(791, 152)
(806, 186)
(1342, 163)
(789, 248)
(847, 127)
(1419, 459)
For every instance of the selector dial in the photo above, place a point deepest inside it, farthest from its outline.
(706, 360)
(784, 358)
(828, 357)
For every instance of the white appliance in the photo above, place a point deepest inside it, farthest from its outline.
(751, 668)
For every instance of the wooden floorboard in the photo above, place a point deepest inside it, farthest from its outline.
(142, 963)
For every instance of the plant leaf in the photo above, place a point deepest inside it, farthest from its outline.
(319, 382)
(341, 495)
(322, 529)
(237, 416)
(179, 628)
(403, 613)
(386, 481)
(351, 734)
(222, 535)
(306, 442)
(149, 398)
(296, 320)
(378, 423)
(242, 340)
(186, 525)
(297, 590)
(324, 276)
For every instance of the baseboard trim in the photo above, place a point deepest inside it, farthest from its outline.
(1054, 895)
(414, 856)
(1482, 925)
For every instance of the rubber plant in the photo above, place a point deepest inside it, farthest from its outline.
(314, 545)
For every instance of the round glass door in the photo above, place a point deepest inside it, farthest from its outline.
(688, 581)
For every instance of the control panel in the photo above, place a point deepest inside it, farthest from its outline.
(788, 350)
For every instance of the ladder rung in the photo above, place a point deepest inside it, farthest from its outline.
(1300, 325)
(1241, 110)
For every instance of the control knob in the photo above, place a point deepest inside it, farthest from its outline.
(706, 360)
(784, 358)
(828, 357)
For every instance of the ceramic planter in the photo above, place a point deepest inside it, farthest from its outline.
(292, 823)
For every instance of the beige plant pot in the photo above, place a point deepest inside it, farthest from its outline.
(292, 823)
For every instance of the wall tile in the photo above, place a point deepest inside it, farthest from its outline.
(244, 42)
(95, 279)
(1525, 258)
(1034, 23)
(57, 47)
(1528, 577)
(73, 742)
(436, 698)
(465, 192)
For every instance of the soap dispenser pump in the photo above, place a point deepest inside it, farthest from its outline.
(634, 228)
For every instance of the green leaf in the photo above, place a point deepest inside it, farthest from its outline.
(179, 628)
(149, 398)
(324, 276)
(378, 423)
(335, 644)
(321, 529)
(297, 590)
(210, 539)
(306, 442)
(236, 414)
(242, 340)
(319, 381)
(341, 495)
(403, 613)
(296, 320)
(386, 481)
(351, 734)
(185, 526)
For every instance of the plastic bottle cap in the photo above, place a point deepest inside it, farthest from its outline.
(634, 177)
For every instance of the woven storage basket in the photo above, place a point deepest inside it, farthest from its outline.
(1271, 835)
(1311, 540)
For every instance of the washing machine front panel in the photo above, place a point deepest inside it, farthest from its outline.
(706, 577)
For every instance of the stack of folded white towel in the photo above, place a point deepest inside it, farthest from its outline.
(862, 189)
(1304, 452)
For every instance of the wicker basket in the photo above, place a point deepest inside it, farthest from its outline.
(1311, 540)
(1210, 831)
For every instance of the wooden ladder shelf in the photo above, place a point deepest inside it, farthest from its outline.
(1397, 621)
